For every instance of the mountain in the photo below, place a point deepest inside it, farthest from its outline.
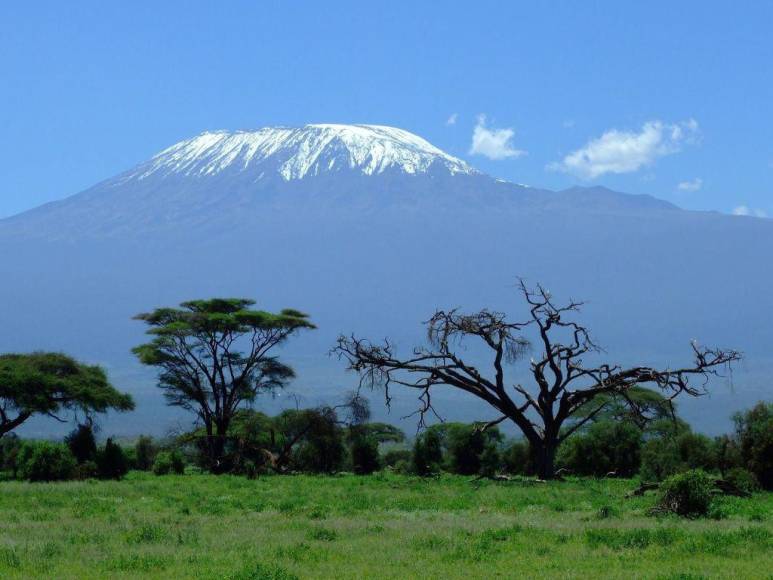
(369, 229)
(222, 180)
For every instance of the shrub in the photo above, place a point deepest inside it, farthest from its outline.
(144, 453)
(321, 446)
(86, 470)
(365, 459)
(45, 461)
(687, 494)
(10, 445)
(111, 461)
(727, 452)
(427, 453)
(743, 479)
(467, 444)
(517, 458)
(168, 462)
(607, 446)
(671, 454)
(754, 433)
(490, 460)
(82, 443)
(395, 456)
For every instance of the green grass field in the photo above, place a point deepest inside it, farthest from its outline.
(383, 526)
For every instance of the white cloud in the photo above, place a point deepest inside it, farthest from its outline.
(690, 186)
(627, 151)
(745, 210)
(493, 143)
(452, 119)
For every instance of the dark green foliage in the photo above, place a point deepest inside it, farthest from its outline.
(364, 450)
(606, 447)
(674, 451)
(639, 406)
(45, 461)
(743, 479)
(319, 442)
(427, 453)
(111, 461)
(754, 434)
(10, 445)
(686, 494)
(86, 470)
(381, 432)
(167, 462)
(490, 460)
(517, 458)
(393, 457)
(144, 453)
(82, 443)
(51, 383)
(727, 453)
(467, 445)
(213, 356)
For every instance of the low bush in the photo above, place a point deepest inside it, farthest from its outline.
(606, 447)
(670, 454)
(45, 461)
(427, 453)
(754, 433)
(86, 470)
(393, 457)
(112, 461)
(743, 479)
(517, 458)
(144, 453)
(687, 494)
(82, 443)
(365, 458)
(168, 462)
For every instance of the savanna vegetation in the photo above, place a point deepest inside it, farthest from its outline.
(602, 477)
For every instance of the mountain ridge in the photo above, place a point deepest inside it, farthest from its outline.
(230, 178)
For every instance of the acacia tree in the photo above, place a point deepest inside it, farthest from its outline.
(567, 393)
(51, 384)
(215, 358)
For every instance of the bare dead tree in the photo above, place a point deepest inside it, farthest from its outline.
(547, 413)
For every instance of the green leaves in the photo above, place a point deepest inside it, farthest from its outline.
(45, 382)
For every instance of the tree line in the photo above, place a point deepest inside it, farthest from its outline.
(215, 357)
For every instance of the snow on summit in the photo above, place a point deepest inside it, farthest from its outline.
(295, 153)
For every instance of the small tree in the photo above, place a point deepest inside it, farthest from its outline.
(427, 453)
(45, 461)
(111, 461)
(365, 457)
(607, 447)
(144, 453)
(82, 443)
(754, 432)
(214, 357)
(517, 459)
(564, 383)
(49, 384)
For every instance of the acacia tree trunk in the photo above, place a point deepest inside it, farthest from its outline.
(544, 458)
(217, 439)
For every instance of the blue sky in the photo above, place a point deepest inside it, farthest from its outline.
(669, 98)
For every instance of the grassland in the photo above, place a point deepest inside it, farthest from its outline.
(383, 526)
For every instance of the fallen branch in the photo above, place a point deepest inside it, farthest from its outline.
(642, 489)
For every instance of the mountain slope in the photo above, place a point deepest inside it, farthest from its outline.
(371, 229)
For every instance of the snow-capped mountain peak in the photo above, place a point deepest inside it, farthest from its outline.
(295, 153)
